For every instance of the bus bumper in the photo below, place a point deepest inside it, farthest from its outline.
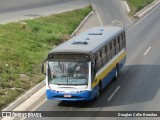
(80, 96)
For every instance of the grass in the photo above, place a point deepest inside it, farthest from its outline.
(25, 44)
(136, 5)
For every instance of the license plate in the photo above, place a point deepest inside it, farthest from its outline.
(68, 96)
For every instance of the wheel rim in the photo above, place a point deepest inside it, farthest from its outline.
(116, 73)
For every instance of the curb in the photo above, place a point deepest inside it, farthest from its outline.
(24, 97)
(146, 9)
(81, 24)
(29, 105)
(126, 6)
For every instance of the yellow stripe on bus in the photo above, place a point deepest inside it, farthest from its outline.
(108, 69)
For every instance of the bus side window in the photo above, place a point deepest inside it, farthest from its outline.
(104, 56)
(122, 36)
(113, 48)
(99, 60)
(103, 51)
(115, 43)
(100, 54)
(118, 44)
(109, 55)
(121, 42)
(95, 62)
(124, 39)
(106, 49)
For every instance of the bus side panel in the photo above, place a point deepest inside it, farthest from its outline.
(109, 72)
(95, 91)
(121, 63)
(108, 78)
(112, 73)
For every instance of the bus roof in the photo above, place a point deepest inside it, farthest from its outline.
(88, 41)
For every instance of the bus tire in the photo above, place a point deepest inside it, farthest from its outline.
(116, 74)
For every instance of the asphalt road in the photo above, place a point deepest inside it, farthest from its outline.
(14, 10)
(137, 87)
(138, 83)
(112, 10)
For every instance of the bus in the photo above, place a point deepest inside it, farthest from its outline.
(80, 68)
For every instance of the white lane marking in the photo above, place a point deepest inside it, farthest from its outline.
(116, 21)
(143, 18)
(100, 21)
(132, 27)
(41, 103)
(148, 14)
(147, 51)
(112, 95)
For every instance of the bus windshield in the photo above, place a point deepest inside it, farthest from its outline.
(68, 73)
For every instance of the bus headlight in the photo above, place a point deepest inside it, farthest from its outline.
(53, 90)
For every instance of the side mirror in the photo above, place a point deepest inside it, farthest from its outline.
(43, 68)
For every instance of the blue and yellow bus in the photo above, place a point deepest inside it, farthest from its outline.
(80, 68)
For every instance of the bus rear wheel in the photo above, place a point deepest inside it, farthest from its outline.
(116, 74)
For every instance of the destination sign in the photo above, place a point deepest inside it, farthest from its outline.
(69, 56)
